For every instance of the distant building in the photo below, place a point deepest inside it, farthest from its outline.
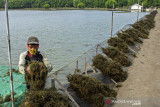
(136, 7)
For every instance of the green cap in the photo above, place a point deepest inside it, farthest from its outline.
(32, 40)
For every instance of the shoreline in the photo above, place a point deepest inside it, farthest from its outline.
(54, 9)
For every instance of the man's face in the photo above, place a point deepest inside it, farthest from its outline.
(33, 49)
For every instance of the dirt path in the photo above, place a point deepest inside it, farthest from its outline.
(143, 83)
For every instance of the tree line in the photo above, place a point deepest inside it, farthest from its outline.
(15, 4)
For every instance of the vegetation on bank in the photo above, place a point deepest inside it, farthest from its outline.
(15, 4)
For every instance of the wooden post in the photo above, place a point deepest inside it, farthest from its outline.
(96, 49)
(131, 49)
(85, 65)
(9, 54)
(113, 81)
(142, 7)
(76, 70)
(53, 83)
(112, 21)
(138, 11)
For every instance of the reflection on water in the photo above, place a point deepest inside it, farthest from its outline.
(63, 35)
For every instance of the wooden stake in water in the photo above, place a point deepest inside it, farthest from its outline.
(112, 21)
(138, 11)
(85, 65)
(76, 70)
(142, 7)
(9, 53)
(96, 49)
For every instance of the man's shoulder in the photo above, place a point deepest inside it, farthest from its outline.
(23, 54)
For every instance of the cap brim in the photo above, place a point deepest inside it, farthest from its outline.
(33, 43)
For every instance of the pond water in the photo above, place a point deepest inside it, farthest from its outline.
(63, 35)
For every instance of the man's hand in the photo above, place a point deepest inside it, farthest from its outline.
(28, 70)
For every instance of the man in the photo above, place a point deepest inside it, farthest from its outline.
(32, 55)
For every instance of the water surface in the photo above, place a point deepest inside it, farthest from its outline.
(63, 35)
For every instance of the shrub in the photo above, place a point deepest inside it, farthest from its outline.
(81, 5)
(46, 6)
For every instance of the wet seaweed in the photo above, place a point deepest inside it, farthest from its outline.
(90, 89)
(38, 75)
(110, 69)
(148, 22)
(134, 34)
(117, 56)
(119, 43)
(127, 38)
(45, 98)
(140, 34)
(141, 28)
(37, 96)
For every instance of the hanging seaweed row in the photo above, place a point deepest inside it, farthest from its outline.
(90, 89)
(93, 91)
(120, 47)
(139, 30)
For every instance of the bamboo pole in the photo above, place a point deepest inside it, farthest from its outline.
(112, 21)
(142, 7)
(85, 65)
(138, 11)
(114, 81)
(131, 49)
(76, 67)
(9, 53)
(96, 49)
(53, 83)
(67, 93)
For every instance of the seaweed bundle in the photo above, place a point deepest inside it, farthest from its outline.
(134, 34)
(117, 56)
(110, 69)
(126, 37)
(141, 28)
(146, 24)
(90, 89)
(45, 98)
(149, 22)
(119, 43)
(153, 13)
(140, 34)
(38, 75)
